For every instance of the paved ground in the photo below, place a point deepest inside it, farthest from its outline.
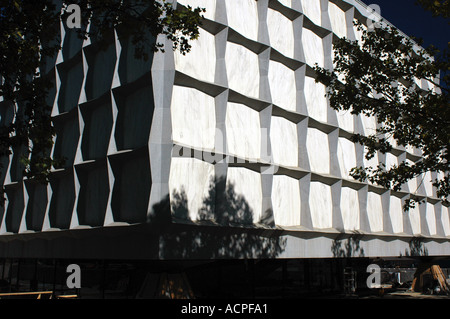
(406, 295)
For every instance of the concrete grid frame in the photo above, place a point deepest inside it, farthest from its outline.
(235, 136)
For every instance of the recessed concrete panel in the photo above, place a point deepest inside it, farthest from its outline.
(98, 122)
(37, 205)
(62, 200)
(15, 208)
(93, 195)
(71, 76)
(101, 62)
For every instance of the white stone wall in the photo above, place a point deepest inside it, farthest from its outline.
(236, 127)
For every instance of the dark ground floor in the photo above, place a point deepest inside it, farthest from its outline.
(207, 279)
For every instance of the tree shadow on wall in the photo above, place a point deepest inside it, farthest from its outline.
(417, 247)
(349, 247)
(224, 228)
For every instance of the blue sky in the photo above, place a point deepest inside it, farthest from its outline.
(413, 20)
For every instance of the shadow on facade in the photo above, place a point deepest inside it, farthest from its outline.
(349, 247)
(225, 227)
(417, 248)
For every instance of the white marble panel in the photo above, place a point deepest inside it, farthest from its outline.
(286, 200)
(346, 156)
(338, 21)
(242, 16)
(320, 204)
(312, 48)
(316, 102)
(445, 219)
(346, 120)
(193, 118)
(414, 218)
(243, 130)
(318, 151)
(285, 153)
(431, 218)
(396, 214)
(200, 62)
(209, 5)
(247, 186)
(189, 179)
(375, 212)
(350, 208)
(242, 70)
(281, 33)
(282, 86)
(311, 8)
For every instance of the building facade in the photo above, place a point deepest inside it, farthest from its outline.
(229, 151)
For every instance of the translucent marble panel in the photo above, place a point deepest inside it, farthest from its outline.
(282, 86)
(285, 153)
(318, 151)
(431, 218)
(281, 33)
(200, 62)
(193, 118)
(338, 21)
(396, 214)
(345, 120)
(243, 130)
(245, 186)
(414, 218)
(369, 125)
(316, 101)
(320, 204)
(189, 184)
(209, 5)
(242, 70)
(312, 47)
(350, 208)
(242, 16)
(286, 200)
(445, 219)
(346, 156)
(311, 8)
(375, 212)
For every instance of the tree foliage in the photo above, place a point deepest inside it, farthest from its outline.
(29, 38)
(379, 77)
